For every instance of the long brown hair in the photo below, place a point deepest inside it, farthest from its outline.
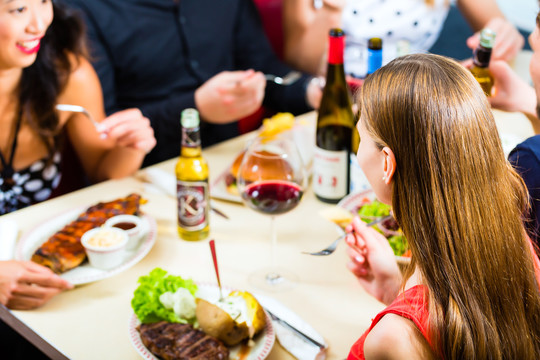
(46, 78)
(459, 203)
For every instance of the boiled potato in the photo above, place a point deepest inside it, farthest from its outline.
(239, 316)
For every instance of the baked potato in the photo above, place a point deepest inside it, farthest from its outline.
(237, 317)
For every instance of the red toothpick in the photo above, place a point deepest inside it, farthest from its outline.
(214, 258)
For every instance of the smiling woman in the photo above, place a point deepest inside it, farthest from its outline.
(43, 63)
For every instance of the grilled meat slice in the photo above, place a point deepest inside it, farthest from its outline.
(173, 341)
(63, 250)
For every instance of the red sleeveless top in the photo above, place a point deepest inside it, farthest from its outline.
(413, 305)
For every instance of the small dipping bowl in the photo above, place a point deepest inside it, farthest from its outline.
(131, 224)
(105, 246)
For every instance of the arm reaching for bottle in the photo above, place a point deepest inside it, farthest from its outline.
(372, 261)
(25, 285)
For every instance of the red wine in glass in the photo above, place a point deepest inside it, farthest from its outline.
(272, 197)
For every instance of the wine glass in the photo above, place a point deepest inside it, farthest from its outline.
(271, 180)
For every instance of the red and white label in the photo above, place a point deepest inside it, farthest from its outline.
(330, 173)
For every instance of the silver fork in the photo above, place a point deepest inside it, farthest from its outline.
(288, 79)
(333, 246)
(80, 109)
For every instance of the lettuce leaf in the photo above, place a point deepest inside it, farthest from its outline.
(145, 302)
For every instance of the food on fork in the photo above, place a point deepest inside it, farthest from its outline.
(181, 341)
(237, 317)
(63, 251)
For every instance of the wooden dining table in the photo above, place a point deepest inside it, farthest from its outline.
(91, 320)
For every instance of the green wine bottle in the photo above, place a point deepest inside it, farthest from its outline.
(335, 126)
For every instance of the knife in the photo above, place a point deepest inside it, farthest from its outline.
(298, 332)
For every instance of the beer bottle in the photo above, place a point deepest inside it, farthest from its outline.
(374, 55)
(192, 182)
(481, 57)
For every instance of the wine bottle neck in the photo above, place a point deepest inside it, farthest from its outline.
(335, 50)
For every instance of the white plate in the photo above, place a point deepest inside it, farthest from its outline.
(263, 341)
(84, 273)
(354, 201)
(218, 188)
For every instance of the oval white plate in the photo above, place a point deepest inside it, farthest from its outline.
(84, 273)
(354, 201)
(263, 341)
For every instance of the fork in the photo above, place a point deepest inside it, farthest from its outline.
(288, 79)
(80, 109)
(332, 247)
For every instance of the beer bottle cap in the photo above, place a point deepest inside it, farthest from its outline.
(190, 118)
(487, 38)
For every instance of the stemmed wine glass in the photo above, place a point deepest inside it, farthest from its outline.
(271, 180)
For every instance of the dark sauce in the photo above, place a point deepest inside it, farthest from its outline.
(124, 225)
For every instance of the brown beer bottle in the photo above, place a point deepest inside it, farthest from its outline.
(481, 57)
(192, 182)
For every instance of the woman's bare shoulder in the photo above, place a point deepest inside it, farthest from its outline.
(83, 87)
(395, 337)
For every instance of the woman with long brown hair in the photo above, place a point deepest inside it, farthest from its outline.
(430, 148)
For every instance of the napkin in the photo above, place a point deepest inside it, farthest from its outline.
(293, 343)
(8, 236)
(158, 180)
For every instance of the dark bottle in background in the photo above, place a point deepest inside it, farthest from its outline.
(335, 126)
(481, 57)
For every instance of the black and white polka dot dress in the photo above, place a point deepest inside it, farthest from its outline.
(413, 21)
(30, 185)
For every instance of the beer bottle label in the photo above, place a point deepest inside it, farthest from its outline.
(192, 204)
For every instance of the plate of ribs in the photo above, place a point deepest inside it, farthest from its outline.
(56, 242)
(176, 341)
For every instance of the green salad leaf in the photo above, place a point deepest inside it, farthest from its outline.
(374, 209)
(146, 303)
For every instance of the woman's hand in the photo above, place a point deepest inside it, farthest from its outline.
(26, 285)
(129, 128)
(230, 95)
(373, 262)
(508, 40)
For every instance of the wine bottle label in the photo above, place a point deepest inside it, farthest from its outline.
(358, 180)
(330, 171)
(192, 204)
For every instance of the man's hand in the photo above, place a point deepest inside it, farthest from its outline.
(26, 285)
(230, 95)
(508, 40)
(510, 92)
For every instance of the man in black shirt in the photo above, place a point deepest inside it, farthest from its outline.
(163, 56)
